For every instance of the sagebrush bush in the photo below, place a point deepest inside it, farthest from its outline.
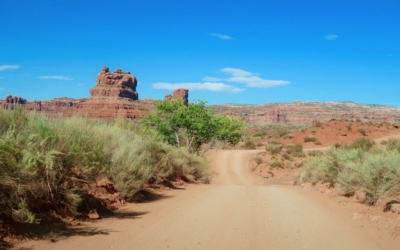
(295, 150)
(258, 160)
(375, 172)
(274, 147)
(276, 164)
(280, 131)
(362, 143)
(310, 138)
(249, 143)
(45, 163)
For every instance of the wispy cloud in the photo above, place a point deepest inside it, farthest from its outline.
(210, 86)
(2, 89)
(211, 79)
(331, 37)
(64, 78)
(251, 79)
(5, 67)
(1, 78)
(220, 36)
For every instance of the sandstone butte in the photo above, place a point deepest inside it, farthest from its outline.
(115, 95)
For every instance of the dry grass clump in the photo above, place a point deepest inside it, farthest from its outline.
(45, 163)
(362, 166)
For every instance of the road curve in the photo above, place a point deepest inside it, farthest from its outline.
(239, 210)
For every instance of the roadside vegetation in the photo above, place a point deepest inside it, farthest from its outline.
(47, 164)
(361, 167)
(193, 127)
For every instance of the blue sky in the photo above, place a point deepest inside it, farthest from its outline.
(250, 51)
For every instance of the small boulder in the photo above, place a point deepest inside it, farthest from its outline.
(395, 208)
(93, 214)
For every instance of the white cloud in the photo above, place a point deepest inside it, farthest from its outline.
(210, 86)
(5, 67)
(236, 72)
(331, 37)
(220, 36)
(55, 78)
(250, 79)
(211, 79)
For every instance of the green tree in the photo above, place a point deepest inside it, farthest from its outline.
(192, 125)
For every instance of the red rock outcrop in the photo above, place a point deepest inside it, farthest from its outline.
(182, 93)
(113, 96)
(118, 84)
(179, 93)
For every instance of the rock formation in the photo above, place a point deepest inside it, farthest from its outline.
(113, 96)
(118, 85)
(182, 93)
(15, 99)
(179, 93)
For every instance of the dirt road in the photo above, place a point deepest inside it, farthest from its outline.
(239, 210)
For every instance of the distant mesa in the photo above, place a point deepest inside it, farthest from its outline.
(118, 84)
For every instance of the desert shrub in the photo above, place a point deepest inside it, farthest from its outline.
(286, 156)
(349, 126)
(260, 134)
(314, 153)
(318, 124)
(393, 144)
(280, 131)
(362, 131)
(376, 172)
(45, 163)
(258, 160)
(276, 164)
(295, 150)
(310, 138)
(288, 136)
(362, 143)
(248, 143)
(274, 147)
(317, 143)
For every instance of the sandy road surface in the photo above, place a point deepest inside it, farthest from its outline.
(238, 210)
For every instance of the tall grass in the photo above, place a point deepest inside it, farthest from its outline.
(45, 163)
(362, 166)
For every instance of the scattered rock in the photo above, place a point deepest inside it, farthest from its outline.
(93, 214)
(395, 208)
